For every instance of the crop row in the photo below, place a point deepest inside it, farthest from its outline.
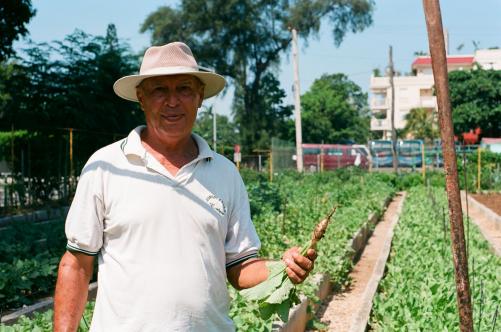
(284, 213)
(29, 254)
(418, 292)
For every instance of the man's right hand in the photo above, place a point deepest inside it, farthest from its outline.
(75, 272)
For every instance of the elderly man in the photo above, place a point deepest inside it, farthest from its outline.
(167, 217)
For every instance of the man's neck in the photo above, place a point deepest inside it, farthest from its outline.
(172, 154)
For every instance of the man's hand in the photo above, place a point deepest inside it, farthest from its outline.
(298, 266)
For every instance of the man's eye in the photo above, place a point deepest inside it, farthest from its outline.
(185, 90)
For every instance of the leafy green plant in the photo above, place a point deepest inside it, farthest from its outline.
(418, 291)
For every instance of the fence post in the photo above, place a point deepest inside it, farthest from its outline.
(479, 168)
(423, 162)
(271, 165)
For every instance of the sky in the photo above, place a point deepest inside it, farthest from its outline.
(399, 23)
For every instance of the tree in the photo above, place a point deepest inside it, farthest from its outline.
(475, 97)
(335, 110)
(14, 15)
(422, 124)
(244, 39)
(68, 84)
(227, 135)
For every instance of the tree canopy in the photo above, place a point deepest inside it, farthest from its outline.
(421, 123)
(14, 16)
(476, 101)
(68, 84)
(244, 39)
(335, 110)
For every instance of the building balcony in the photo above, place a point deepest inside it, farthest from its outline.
(379, 103)
(380, 124)
(428, 102)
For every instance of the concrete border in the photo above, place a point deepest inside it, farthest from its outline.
(482, 208)
(36, 216)
(299, 316)
(491, 217)
(42, 305)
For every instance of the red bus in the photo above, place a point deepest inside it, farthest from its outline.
(332, 156)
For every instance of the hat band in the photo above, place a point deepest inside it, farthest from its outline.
(169, 70)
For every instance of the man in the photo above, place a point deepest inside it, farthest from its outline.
(168, 218)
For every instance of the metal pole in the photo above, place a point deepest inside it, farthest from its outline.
(297, 104)
(439, 65)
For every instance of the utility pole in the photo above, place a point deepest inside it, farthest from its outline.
(460, 258)
(393, 130)
(297, 104)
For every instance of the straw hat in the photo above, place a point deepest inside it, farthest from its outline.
(171, 59)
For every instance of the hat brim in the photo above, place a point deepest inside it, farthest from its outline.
(125, 87)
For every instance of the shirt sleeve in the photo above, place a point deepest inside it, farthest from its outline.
(242, 241)
(84, 223)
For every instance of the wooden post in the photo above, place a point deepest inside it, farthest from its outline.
(439, 65)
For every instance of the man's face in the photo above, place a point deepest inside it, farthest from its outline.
(170, 104)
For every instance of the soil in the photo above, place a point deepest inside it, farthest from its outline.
(491, 200)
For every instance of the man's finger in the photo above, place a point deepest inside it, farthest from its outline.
(298, 270)
(303, 262)
(293, 276)
(311, 254)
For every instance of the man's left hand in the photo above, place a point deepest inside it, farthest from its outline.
(299, 266)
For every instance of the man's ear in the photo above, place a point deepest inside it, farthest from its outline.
(201, 94)
(140, 96)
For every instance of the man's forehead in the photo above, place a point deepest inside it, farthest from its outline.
(171, 79)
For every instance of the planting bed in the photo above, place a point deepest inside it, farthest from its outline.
(284, 213)
(418, 292)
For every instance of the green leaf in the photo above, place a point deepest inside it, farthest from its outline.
(282, 293)
(267, 287)
(283, 310)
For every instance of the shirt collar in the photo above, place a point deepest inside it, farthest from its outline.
(132, 145)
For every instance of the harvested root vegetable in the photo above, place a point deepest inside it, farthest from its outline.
(277, 293)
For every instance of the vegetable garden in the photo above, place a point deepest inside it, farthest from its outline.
(418, 292)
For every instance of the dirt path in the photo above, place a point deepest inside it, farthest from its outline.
(487, 221)
(350, 310)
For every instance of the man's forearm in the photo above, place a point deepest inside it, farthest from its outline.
(248, 274)
(71, 291)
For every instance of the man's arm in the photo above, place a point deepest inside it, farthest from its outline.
(254, 271)
(75, 271)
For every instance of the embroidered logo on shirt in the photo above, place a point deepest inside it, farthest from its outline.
(217, 204)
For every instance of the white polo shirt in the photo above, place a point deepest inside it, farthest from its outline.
(164, 242)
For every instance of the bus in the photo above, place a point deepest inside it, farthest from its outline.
(381, 153)
(410, 153)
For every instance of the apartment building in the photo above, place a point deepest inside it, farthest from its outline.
(416, 91)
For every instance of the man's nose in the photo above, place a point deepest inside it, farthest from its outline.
(172, 99)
